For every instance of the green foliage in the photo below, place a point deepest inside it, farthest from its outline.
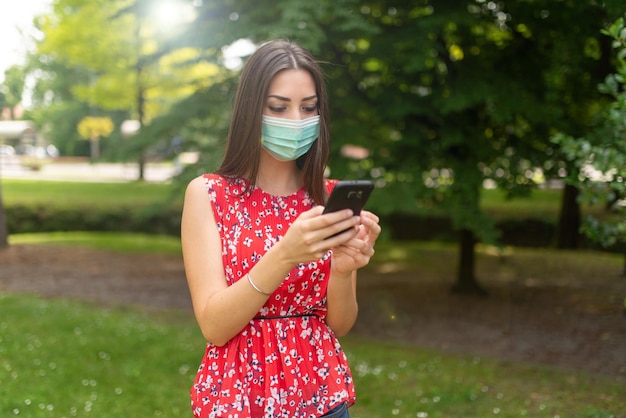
(475, 98)
(115, 58)
(153, 220)
(12, 88)
(601, 154)
(75, 35)
(441, 96)
(55, 111)
(200, 121)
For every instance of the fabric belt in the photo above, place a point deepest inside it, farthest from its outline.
(284, 316)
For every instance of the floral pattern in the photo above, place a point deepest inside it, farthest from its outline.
(275, 367)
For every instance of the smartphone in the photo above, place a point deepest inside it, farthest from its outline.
(349, 194)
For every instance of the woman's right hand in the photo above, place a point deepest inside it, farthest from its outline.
(307, 239)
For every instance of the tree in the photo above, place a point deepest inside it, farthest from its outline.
(129, 69)
(600, 156)
(10, 96)
(93, 128)
(4, 232)
(444, 96)
(12, 88)
(203, 117)
(475, 99)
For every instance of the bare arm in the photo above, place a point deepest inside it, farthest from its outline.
(342, 303)
(347, 259)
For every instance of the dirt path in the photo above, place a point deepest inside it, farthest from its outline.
(579, 326)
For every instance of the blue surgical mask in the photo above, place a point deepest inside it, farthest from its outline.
(287, 139)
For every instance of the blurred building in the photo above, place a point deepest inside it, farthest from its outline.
(20, 134)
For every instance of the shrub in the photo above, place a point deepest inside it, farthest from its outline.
(38, 218)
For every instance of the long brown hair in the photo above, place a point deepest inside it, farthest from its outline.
(243, 148)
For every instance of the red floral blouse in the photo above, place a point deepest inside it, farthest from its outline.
(291, 366)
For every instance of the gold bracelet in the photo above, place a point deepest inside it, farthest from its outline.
(255, 286)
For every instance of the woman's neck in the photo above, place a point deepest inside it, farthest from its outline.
(279, 178)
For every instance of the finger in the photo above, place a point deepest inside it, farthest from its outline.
(371, 225)
(328, 224)
(339, 233)
(349, 251)
(369, 215)
(362, 246)
(312, 213)
(333, 217)
(358, 259)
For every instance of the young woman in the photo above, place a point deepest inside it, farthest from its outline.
(271, 292)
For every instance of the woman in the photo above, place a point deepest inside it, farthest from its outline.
(268, 293)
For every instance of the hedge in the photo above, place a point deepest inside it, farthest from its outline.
(151, 220)
(160, 220)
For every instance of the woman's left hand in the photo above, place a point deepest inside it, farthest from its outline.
(356, 252)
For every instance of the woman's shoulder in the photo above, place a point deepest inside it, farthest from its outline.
(204, 183)
(218, 185)
(212, 177)
(212, 180)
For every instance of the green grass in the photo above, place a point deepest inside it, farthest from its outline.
(110, 241)
(83, 194)
(393, 380)
(62, 359)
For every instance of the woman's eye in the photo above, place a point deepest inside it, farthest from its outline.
(310, 109)
(277, 109)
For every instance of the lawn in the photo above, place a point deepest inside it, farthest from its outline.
(83, 194)
(62, 359)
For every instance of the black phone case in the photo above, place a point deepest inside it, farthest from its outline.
(349, 194)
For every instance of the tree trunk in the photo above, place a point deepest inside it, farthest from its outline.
(466, 277)
(94, 148)
(4, 232)
(142, 168)
(569, 219)
(624, 270)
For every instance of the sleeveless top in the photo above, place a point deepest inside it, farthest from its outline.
(292, 366)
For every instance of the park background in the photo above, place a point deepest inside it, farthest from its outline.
(495, 135)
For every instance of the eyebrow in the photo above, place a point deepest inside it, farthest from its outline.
(287, 99)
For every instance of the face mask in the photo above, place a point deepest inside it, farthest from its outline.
(286, 139)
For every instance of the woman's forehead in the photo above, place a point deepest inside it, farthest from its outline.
(292, 84)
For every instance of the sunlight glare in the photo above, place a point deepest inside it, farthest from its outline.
(169, 14)
(234, 53)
